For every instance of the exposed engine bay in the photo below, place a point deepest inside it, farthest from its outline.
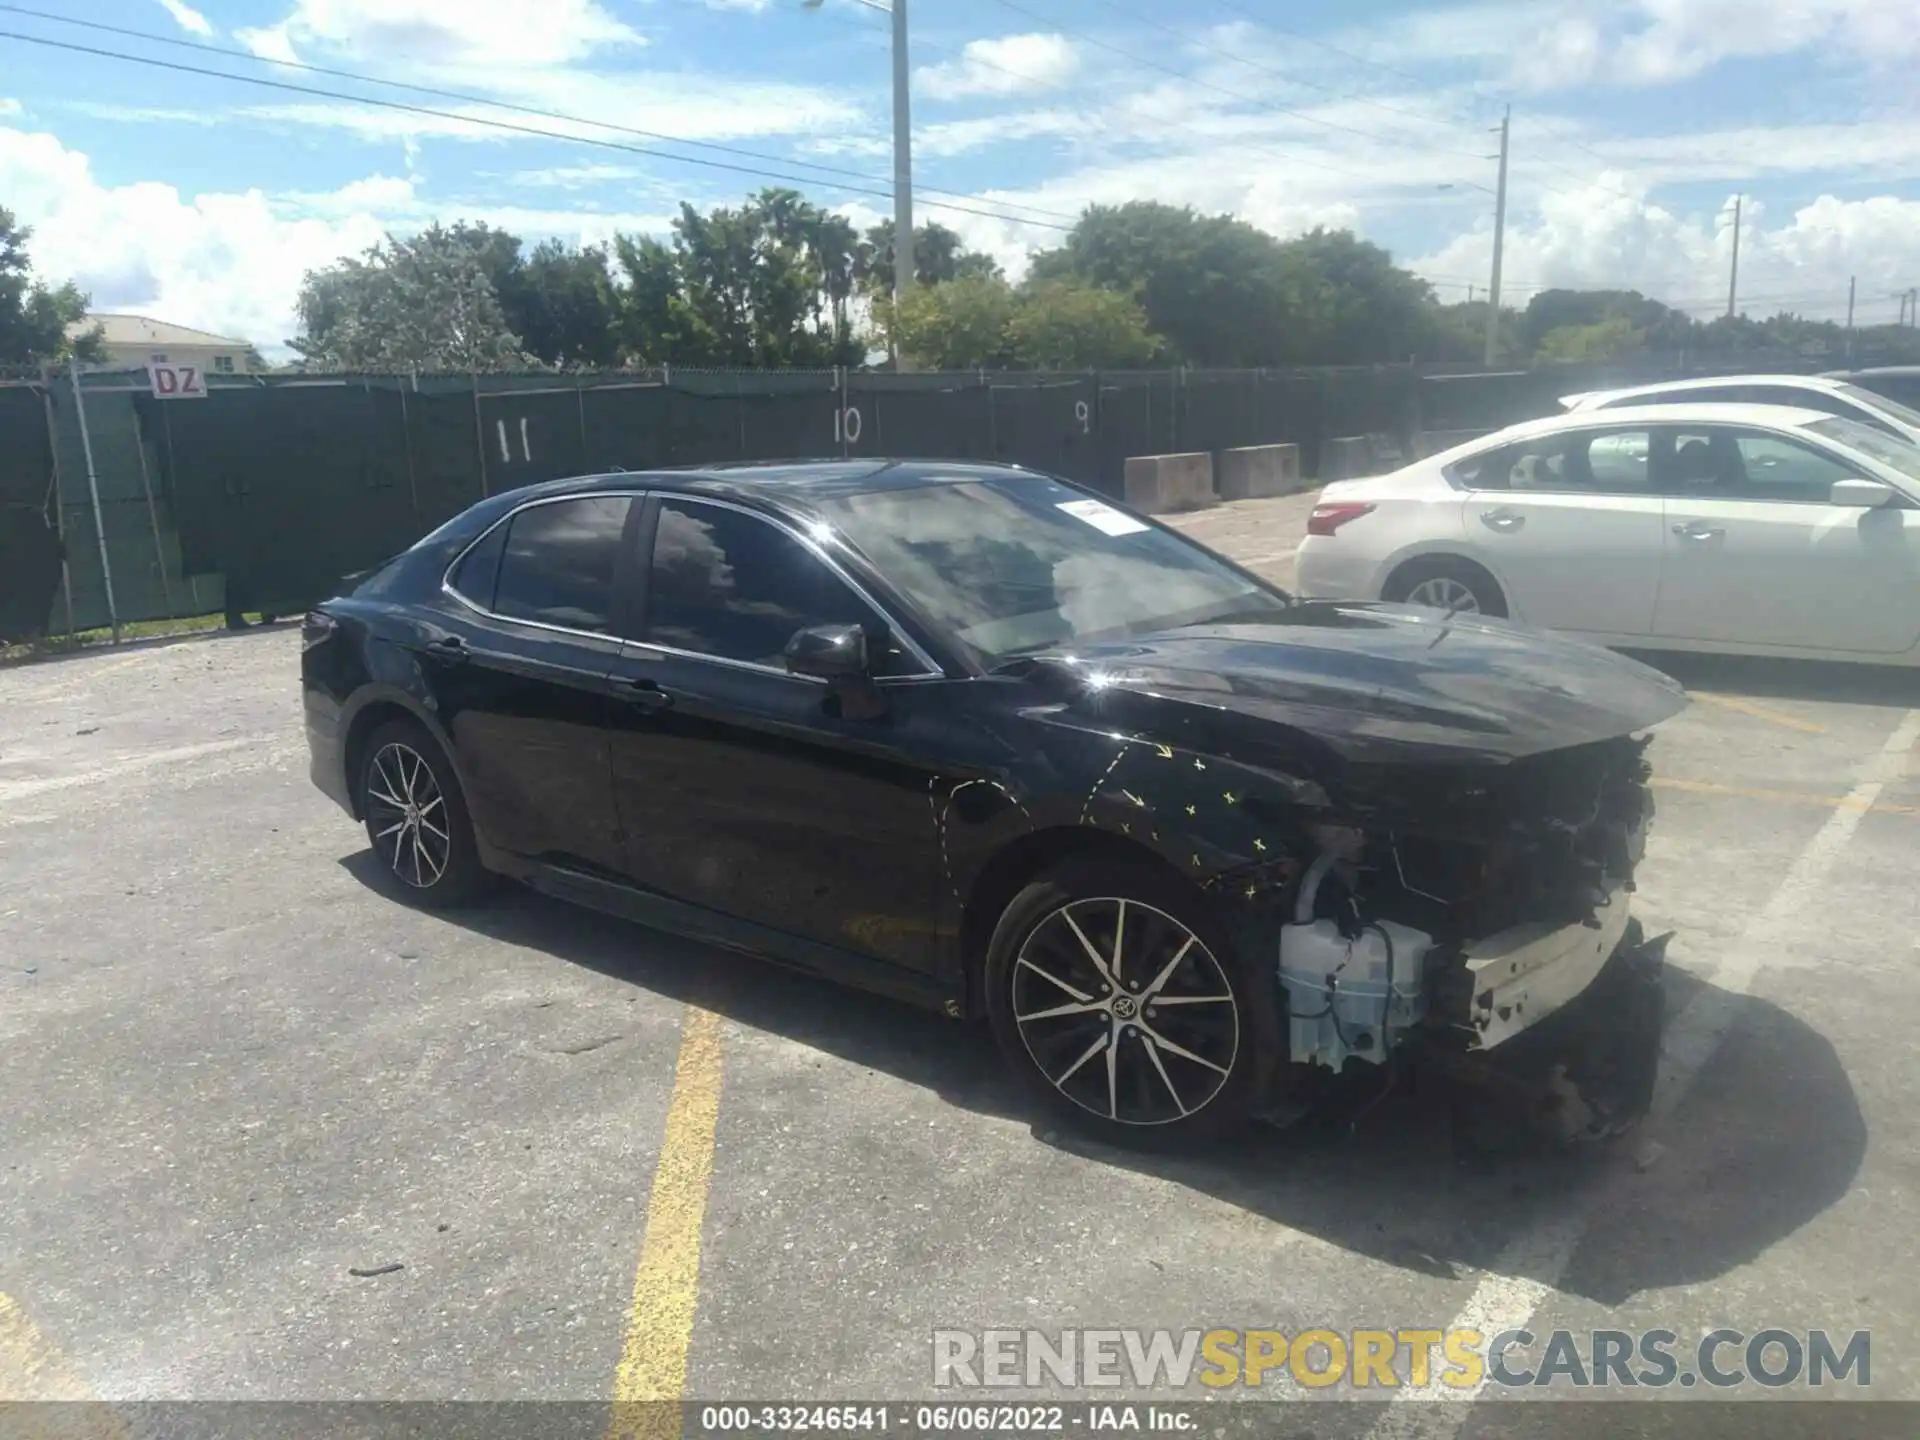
(1468, 906)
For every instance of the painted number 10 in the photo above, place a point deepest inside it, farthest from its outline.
(846, 426)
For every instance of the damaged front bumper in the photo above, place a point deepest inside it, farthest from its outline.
(1582, 1073)
(1525, 974)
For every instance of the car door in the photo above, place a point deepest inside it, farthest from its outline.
(1758, 555)
(519, 677)
(1572, 527)
(742, 788)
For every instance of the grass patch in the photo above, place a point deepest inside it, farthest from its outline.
(51, 645)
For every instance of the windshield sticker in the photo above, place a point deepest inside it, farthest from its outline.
(1104, 518)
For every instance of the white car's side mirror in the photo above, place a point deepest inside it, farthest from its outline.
(1862, 494)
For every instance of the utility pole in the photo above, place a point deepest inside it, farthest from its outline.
(902, 158)
(1499, 242)
(1733, 280)
(1852, 280)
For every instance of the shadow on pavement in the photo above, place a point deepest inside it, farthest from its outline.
(1832, 682)
(1770, 1135)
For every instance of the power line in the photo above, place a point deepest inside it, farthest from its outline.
(1267, 24)
(1125, 54)
(472, 99)
(1296, 80)
(508, 125)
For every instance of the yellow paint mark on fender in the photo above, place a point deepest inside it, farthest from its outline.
(652, 1375)
(1758, 712)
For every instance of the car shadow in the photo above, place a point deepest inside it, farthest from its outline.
(1768, 1137)
(1755, 676)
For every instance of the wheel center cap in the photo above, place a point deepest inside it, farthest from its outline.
(1125, 1007)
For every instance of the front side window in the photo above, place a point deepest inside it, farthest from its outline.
(1013, 564)
(1611, 462)
(1883, 404)
(733, 586)
(558, 564)
(1725, 463)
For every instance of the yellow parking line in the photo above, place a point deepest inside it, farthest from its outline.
(652, 1375)
(1758, 712)
(30, 1368)
(1788, 797)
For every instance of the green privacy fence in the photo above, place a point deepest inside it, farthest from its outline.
(261, 495)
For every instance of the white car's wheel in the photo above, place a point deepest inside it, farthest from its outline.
(1446, 583)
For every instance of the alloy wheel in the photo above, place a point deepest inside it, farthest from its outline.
(1125, 1011)
(1443, 592)
(407, 816)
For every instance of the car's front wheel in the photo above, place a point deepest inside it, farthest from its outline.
(1116, 997)
(416, 817)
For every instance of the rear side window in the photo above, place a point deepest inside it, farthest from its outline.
(479, 569)
(558, 563)
(1612, 462)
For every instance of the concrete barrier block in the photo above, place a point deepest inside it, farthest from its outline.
(1432, 442)
(1157, 484)
(1346, 457)
(1254, 472)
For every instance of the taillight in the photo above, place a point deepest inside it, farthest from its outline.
(1328, 518)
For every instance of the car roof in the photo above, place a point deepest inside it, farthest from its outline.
(1825, 383)
(795, 483)
(1890, 371)
(1704, 412)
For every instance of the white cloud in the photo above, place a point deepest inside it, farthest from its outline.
(750, 7)
(1010, 65)
(188, 18)
(500, 34)
(10, 106)
(1598, 236)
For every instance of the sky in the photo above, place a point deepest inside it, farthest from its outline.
(202, 199)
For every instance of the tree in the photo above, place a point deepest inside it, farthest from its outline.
(562, 304)
(422, 303)
(35, 320)
(960, 325)
(939, 255)
(1353, 305)
(980, 321)
(767, 283)
(1069, 325)
(1217, 288)
(1607, 339)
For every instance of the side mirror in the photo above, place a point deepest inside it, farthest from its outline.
(829, 652)
(1862, 494)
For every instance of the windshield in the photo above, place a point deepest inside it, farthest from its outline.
(1022, 563)
(1874, 400)
(1901, 455)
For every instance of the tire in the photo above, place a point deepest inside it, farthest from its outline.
(416, 818)
(1442, 581)
(1099, 1062)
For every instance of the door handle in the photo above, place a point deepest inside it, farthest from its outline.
(1696, 530)
(448, 650)
(1502, 519)
(644, 695)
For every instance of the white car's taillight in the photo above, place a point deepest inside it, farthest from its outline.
(1329, 517)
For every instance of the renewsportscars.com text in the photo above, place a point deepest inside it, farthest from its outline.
(1389, 1359)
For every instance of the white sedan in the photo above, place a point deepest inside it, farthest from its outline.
(1741, 529)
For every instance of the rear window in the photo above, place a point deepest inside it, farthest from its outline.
(558, 563)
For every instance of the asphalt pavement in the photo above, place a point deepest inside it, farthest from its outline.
(270, 1134)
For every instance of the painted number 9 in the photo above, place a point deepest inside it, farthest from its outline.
(846, 425)
(1084, 416)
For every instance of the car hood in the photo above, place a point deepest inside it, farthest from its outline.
(1388, 682)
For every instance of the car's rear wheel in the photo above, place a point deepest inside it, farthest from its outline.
(1444, 583)
(1116, 997)
(416, 817)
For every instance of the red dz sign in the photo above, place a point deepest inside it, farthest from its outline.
(177, 382)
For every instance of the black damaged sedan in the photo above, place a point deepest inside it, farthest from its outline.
(973, 737)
